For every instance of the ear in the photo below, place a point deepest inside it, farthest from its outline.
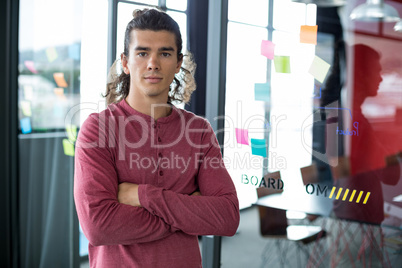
(124, 63)
(179, 63)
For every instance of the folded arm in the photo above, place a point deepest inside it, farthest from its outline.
(215, 212)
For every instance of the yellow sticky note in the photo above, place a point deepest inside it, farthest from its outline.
(308, 34)
(51, 54)
(71, 132)
(60, 81)
(68, 147)
(319, 69)
(26, 108)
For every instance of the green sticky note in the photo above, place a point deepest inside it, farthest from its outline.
(71, 132)
(262, 92)
(259, 147)
(282, 64)
(51, 54)
(319, 69)
(68, 147)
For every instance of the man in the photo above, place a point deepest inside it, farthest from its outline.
(361, 175)
(149, 177)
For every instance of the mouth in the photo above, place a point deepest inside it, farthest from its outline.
(153, 79)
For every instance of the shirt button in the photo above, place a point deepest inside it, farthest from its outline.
(161, 172)
(160, 155)
(159, 139)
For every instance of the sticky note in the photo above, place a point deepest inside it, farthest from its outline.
(308, 34)
(68, 147)
(58, 110)
(319, 69)
(26, 108)
(51, 54)
(60, 81)
(31, 66)
(262, 92)
(267, 49)
(74, 51)
(282, 64)
(28, 92)
(71, 132)
(259, 147)
(26, 125)
(58, 91)
(242, 136)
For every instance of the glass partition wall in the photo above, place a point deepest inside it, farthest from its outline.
(312, 133)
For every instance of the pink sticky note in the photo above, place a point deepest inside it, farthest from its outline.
(30, 65)
(242, 136)
(267, 49)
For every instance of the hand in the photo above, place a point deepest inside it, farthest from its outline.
(128, 194)
(196, 193)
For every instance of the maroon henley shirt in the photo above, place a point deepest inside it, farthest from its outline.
(169, 159)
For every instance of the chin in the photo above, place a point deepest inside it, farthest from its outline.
(154, 93)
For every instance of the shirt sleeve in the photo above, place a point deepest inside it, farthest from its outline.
(103, 219)
(216, 212)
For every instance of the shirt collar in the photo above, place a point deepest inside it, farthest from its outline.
(163, 120)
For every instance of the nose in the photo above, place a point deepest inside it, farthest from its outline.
(153, 63)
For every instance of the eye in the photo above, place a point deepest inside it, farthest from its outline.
(142, 54)
(166, 54)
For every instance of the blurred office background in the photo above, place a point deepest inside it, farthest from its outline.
(54, 64)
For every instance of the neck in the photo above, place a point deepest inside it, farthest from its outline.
(156, 107)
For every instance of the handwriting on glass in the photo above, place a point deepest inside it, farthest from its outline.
(353, 132)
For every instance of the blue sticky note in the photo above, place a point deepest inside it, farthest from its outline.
(74, 51)
(259, 147)
(262, 92)
(26, 125)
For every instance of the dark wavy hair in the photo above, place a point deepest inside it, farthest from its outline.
(118, 84)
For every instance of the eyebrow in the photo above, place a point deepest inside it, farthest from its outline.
(159, 49)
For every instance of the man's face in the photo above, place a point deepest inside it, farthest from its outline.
(368, 78)
(374, 77)
(152, 62)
